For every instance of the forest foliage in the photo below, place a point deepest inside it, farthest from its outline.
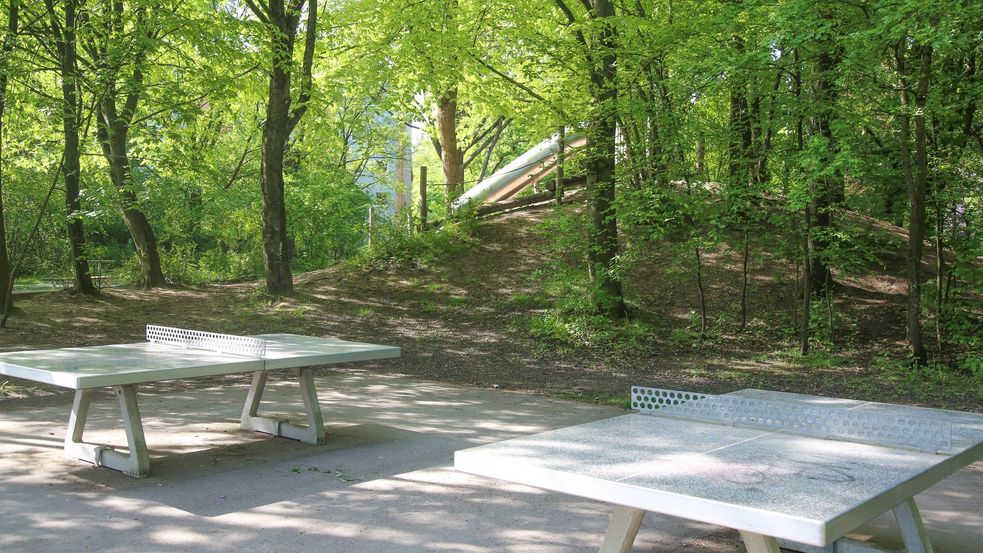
(203, 141)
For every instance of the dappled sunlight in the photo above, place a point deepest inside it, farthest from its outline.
(382, 483)
(179, 535)
(359, 488)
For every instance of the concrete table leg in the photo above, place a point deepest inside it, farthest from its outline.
(757, 543)
(312, 434)
(136, 462)
(912, 528)
(910, 524)
(622, 530)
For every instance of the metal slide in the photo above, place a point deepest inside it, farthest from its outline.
(525, 170)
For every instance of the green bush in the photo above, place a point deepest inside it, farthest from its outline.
(396, 248)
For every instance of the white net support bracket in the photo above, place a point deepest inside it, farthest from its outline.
(828, 423)
(245, 346)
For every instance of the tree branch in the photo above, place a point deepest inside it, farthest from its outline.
(490, 142)
(572, 19)
(307, 82)
(261, 11)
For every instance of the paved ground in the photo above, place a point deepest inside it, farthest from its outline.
(383, 483)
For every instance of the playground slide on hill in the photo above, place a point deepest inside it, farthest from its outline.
(522, 172)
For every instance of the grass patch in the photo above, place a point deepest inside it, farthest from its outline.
(524, 301)
(435, 288)
(613, 400)
(590, 331)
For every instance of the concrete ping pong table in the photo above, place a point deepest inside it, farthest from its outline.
(785, 470)
(169, 354)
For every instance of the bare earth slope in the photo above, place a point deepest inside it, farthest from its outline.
(462, 323)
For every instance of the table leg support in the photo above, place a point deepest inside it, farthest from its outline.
(622, 530)
(136, 462)
(758, 543)
(912, 528)
(913, 535)
(312, 434)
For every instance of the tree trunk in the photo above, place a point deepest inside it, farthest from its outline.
(276, 252)
(561, 146)
(451, 156)
(916, 216)
(819, 272)
(71, 112)
(701, 289)
(744, 277)
(806, 285)
(701, 155)
(740, 140)
(6, 298)
(113, 130)
(828, 191)
(282, 22)
(601, 185)
(939, 270)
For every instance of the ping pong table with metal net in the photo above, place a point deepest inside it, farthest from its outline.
(170, 354)
(786, 470)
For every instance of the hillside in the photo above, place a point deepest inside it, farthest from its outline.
(465, 320)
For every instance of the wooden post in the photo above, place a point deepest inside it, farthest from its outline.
(560, 151)
(423, 198)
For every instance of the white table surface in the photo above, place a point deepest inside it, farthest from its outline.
(798, 488)
(123, 364)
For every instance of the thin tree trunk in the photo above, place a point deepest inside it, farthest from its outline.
(795, 289)
(702, 290)
(9, 39)
(916, 225)
(489, 148)
(939, 273)
(916, 185)
(71, 110)
(560, 155)
(744, 278)
(740, 140)
(701, 155)
(806, 285)
(806, 245)
(828, 191)
(829, 315)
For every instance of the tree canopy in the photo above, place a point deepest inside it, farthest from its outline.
(202, 141)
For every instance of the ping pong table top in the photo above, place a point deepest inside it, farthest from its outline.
(123, 364)
(794, 487)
